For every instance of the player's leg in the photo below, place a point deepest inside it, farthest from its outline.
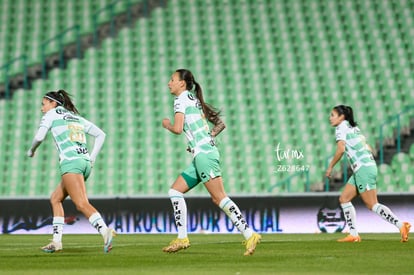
(56, 200)
(371, 201)
(368, 176)
(209, 171)
(220, 198)
(176, 194)
(75, 186)
(349, 192)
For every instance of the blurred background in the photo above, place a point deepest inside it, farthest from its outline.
(274, 67)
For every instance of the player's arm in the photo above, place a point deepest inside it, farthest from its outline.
(340, 149)
(37, 140)
(99, 135)
(178, 126)
(218, 127)
(45, 125)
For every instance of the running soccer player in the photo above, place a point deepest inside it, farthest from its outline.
(363, 181)
(68, 129)
(191, 116)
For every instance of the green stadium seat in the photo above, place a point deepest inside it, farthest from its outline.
(401, 165)
(386, 181)
(399, 160)
(26, 25)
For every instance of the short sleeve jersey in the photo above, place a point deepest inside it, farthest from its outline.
(196, 128)
(68, 132)
(356, 148)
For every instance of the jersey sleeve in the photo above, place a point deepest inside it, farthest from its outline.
(179, 105)
(98, 134)
(47, 120)
(44, 127)
(340, 132)
(90, 128)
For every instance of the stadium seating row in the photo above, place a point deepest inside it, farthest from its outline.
(398, 175)
(26, 25)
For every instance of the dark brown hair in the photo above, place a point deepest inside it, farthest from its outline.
(347, 112)
(62, 98)
(211, 113)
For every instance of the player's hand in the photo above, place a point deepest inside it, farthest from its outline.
(166, 123)
(328, 172)
(30, 153)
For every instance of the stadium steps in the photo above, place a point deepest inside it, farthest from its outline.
(34, 71)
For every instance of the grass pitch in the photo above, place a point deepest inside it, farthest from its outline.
(209, 254)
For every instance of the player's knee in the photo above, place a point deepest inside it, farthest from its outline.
(342, 200)
(54, 199)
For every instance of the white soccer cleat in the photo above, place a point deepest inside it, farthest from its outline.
(110, 234)
(52, 247)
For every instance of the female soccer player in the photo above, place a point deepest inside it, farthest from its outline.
(363, 181)
(191, 116)
(68, 128)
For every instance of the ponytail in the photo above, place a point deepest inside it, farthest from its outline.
(62, 98)
(211, 113)
(347, 112)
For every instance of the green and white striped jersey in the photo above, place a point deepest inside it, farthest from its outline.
(196, 128)
(68, 132)
(356, 148)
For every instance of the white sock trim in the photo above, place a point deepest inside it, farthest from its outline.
(94, 218)
(346, 205)
(58, 220)
(375, 207)
(223, 202)
(172, 193)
